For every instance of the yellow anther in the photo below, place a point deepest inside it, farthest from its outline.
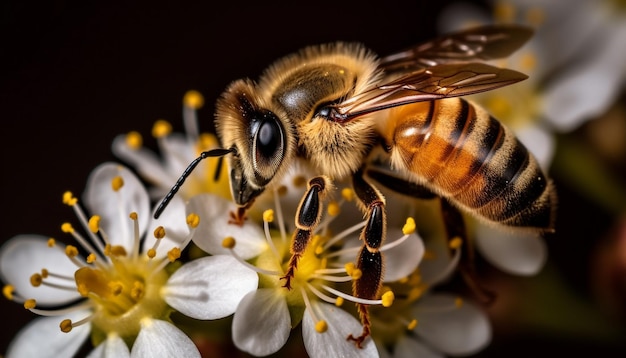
(411, 326)
(388, 298)
(67, 228)
(409, 226)
(347, 194)
(51, 242)
(115, 287)
(229, 243)
(356, 273)
(207, 141)
(504, 12)
(455, 243)
(69, 198)
(268, 215)
(282, 190)
(117, 251)
(82, 289)
(94, 224)
(299, 181)
(66, 326)
(535, 16)
(319, 249)
(44, 273)
(415, 293)
(7, 291)
(133, 215)
(173, 254)
(499, 105)
(137, 291)
(159, 232)
(339, 301)
(193, 220)
(134, 140)
(91, 258)
(71, 251)
(349, 267)
(429, 255)
(333, 208)
(161, 128)
(151, 253)
(117, 183)
(458, 302)
(193, 99)
(528, 61)
(321, 326)
(30, 303)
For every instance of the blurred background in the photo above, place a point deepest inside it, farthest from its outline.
(75, 74)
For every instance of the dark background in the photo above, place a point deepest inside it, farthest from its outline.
(76, 74)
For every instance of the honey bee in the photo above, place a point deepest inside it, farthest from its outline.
(334, 105)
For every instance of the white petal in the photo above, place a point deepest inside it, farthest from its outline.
(539, 142)
(113, 207)
(162, 339)
(210, 287)
(112, 347)
(333, 343)
(44, 335)
(453, 330)
(402, 260)
(174, 221)
(261, 324)
(410, 348)
(513, 251)
(214, 212)
(24, 255)
(178, 152)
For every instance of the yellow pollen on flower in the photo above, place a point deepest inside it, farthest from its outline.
(282, 190)
(268, 215)
(7, 291)
(71, 251)
(117, 251)
(319, 249)
(133, 215)
(193, 220)
(161, 128)
(504, 12)
(69, 198)
(30, 303)
(207, 140)
(51, 242)
(94, 224)
(134, 140)
(388, 298)
(115, 287)
(455, 243)
(44, 273)
(82, 289)
(321, 326)
(347, 194)
(415, 293)
(66, 326)
(535, 16)
(193, 99)
(117, 183)
(67, 228)
(229, 242)
(151, 253)
(159, 232)
(458, 302)
(353, 271)
(91, 258)
(173, 254)
(411, 326)
(339, 301)
(333, 208)
(299, 181)
(138, 290)
(409, 226)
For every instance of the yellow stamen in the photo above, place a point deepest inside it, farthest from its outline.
(91, 258)
(66, 326)
(268, 215)
(499, 105)
(409, 226)
(71, 251)
(528, 62)
(388, 298)
(353, 271)
(319, 249)
(69, 199)
(229, 242)
(193, 99)
(207, 140)
(117, 183)
(161, 128)
(30, 303)
(415, 293)
(347, 194)
(193, 220)
(7, 291)
(94, 223)
(151, 253)
(173, 254)
(333, 208)
(138, 290)
(299, 181)
(282, 190)
(321, 326)
(134, 140)
(117, 251)
(115, 287)
(455, 243)
(44, 273)
(429, 255)
(133, 215)
(339, 301)
(67, 228)
(411, 326)
(51, 242)
(159, 232)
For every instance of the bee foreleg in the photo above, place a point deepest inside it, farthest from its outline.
(307, 218)
(370, 260)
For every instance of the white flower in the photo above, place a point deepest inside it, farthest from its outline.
(119, 294)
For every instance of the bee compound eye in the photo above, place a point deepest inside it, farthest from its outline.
(269, 142)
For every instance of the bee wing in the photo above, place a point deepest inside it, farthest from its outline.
(483, 43)
(436, 82)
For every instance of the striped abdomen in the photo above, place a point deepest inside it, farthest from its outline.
(462, 153)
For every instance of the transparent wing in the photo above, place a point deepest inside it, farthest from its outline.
(436, 82)
(483, 43)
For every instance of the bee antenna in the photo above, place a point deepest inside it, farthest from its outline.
(210, 153)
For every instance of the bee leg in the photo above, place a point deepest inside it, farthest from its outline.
(370, 259)
(308, 216)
